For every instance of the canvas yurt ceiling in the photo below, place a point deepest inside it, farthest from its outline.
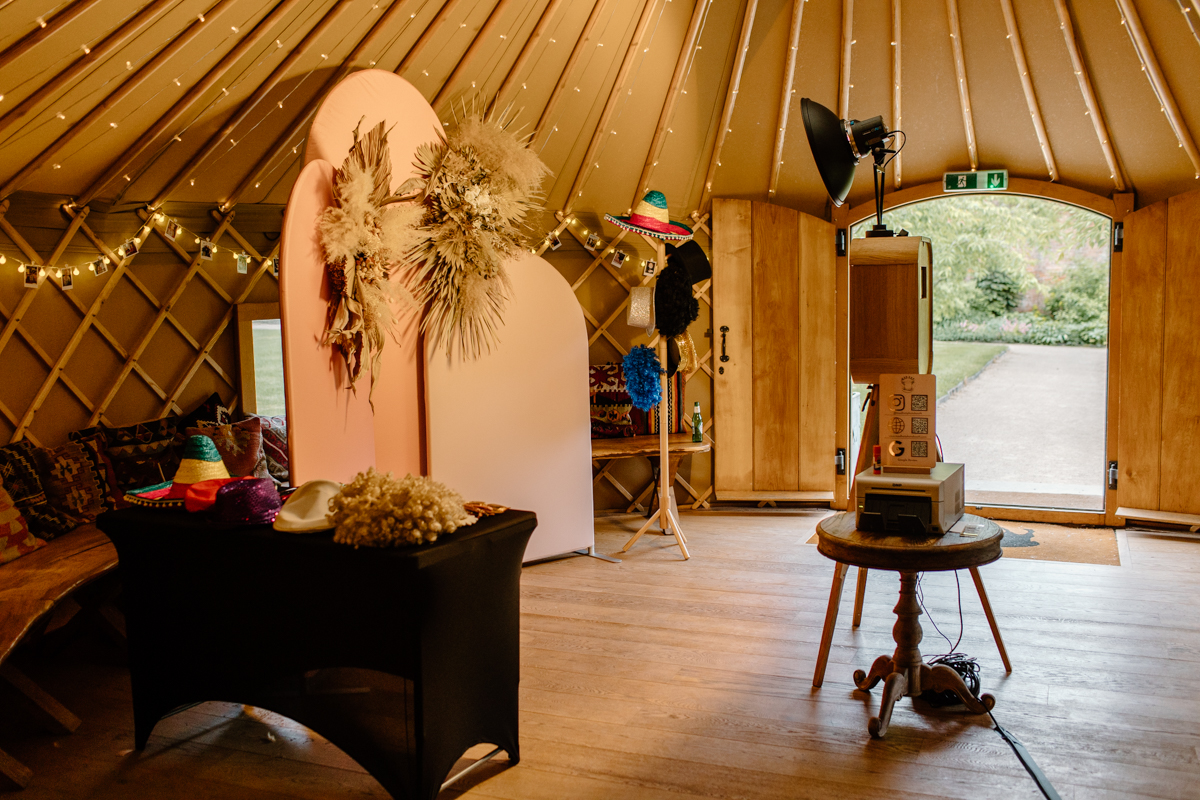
(117, 104)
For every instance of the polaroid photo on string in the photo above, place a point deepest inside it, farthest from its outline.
(206, 250)
(31, 276)
(100, 266)
(130, 248)
(172, 230)
(649, 269)
(618, 258)
(67, 279)
(243, 263)
(275, 266)
(593, 241)
(555, 242)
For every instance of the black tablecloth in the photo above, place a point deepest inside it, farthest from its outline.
(402, 657)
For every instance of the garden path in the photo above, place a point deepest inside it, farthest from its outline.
(1031, 428)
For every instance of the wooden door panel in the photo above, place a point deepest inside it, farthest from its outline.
(1178, 489)
(775, 250)
(818, 369)
(733, 387)
(1140, 413)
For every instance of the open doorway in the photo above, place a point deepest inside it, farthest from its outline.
(1020, 344)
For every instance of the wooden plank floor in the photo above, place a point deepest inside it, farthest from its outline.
(666, 680)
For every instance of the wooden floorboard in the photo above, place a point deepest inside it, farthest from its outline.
(659, 679)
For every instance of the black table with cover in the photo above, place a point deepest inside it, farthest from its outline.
(403, 657)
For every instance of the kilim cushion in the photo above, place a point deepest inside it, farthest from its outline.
(15, 538)
(211, 410)
(240, 446)
(609, 402)
(143, 454)
(274, 439)
(79, 477)
(18, 474)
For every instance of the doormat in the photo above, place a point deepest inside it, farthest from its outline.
(1042, 541)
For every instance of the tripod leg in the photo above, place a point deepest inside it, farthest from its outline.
(831, 614)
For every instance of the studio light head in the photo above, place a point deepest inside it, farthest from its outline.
(837, 147)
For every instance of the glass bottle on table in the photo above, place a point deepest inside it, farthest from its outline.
(697, 424)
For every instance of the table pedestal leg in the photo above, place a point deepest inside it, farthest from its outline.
(904, 673)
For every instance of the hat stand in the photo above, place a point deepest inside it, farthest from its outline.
(667, 519)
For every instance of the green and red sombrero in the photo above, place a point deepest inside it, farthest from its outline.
(201, 472)
(650, 218)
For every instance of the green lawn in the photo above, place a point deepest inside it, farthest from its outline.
(953, 362)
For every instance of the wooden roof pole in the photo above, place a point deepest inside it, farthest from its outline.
(1158, 82)
(110, 43)
(430, 31)
(44, 31)
(731, 92)
(686, 53)
(283, 143)
(896, 116)
(847, 45)
(485, 33)
(635, 43)
(785, 98)
(143, 73)
(960, 68)
(193, 95)
(584, 37)
(1035, 111)
(523, 57)
(1089, 95)
(220, 137)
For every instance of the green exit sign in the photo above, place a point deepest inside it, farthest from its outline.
(987, 180)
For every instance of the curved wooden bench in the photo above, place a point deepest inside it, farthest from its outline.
(30, 588)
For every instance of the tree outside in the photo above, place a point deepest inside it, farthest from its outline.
(1013, 269)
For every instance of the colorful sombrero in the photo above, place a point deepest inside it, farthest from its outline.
(651, 218)
(200, 465)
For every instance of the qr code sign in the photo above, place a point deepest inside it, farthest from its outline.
(920, 426)
(920, 402)
(920, 449)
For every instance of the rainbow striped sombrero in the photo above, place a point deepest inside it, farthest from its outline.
(651, 218)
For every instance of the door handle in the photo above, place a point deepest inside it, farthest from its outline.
(724, 330)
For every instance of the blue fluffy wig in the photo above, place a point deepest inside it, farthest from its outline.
(642, 369)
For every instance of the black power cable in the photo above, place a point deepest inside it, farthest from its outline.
(968, 669)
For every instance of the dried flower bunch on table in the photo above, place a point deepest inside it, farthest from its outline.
(365, 233)
(476, 188)
(377, 510)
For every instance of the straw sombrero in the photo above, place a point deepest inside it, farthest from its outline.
(201, 464)
(651, 218)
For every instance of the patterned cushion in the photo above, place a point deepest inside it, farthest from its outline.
(211, 410)
(18, 474)
(79, 477)
(240, 446)
(611, 408)
(15, 538)
(613, 413)
(274, 439)
(143, 454)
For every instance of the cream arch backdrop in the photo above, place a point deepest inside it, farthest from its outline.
(511, 427)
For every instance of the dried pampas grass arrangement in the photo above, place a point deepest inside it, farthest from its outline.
(377, 510)
(365, 233)
(476, 188)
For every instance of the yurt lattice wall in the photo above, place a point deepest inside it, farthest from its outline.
(153, 335)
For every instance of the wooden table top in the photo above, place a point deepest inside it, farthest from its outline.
(837, 538)
(627, 446)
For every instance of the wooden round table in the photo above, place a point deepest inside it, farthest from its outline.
(904, 673)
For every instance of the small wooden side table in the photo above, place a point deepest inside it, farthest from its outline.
(904, 673)
(678, 446)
